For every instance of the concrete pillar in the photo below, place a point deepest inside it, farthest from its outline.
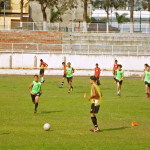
(10, 62)
(35, 61)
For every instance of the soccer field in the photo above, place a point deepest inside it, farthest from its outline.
(68, 114)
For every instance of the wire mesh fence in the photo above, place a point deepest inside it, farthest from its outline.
(76, 27)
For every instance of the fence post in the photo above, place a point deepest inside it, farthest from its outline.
(137, 50)
(33, 26)
(88, 49)
(107, 27)
(12, 47)
(10, 62)
(72, 27)
(37, 48)
(112, 49)
(97, 27)
(62, 48)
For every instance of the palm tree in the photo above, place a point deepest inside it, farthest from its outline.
(121, 18)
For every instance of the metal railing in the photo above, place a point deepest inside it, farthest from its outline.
(76, 27)
(75, 49)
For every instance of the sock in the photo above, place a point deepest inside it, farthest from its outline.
(94, 120)
(42, 79)
(62, 83)
(36, 105)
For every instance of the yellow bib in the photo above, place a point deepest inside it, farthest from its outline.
(96, 101)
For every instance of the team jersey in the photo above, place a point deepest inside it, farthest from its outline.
(119, 74)
(43, 64)
(147, 76)
(99, 101)
(36, 87)
(65, 68)
(115, 67)
(97, 72)
(69, 72)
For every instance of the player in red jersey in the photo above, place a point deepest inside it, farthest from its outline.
(64, 76)
(43, 66)
(115, 68)
(97, 73)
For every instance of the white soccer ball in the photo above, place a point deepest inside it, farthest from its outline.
(46, 126)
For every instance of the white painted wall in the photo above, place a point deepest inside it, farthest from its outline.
(84, 64)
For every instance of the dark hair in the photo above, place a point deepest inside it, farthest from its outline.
(95, 79)
(63, 62)
(116, 60)
(120, 65)
(41, 60)
(146, 64)
(96, 63)
(36, 76)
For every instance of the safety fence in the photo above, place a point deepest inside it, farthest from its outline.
(112, 27)
(82, 49)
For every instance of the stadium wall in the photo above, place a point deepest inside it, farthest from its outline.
(28, 64)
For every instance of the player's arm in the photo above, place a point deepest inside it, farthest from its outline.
(122, 77)
(94, 93)
(72, 70)
(46, 65)
(29, 88)
(40, 90)
(65, 71)
(115, 74)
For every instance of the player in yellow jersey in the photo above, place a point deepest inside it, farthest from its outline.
(95, 99)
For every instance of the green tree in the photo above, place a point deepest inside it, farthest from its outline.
(58, 5)
(108, 5)
(121, 18)
(146, 6)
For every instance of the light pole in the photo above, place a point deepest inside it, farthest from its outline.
(140, 20)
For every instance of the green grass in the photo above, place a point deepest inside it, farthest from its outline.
(69, 116)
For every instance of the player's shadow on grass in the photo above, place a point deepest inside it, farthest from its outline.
(134, 96)
(112, 129)
(4, 133)
(48, 112)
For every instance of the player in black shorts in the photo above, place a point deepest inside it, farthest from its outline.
(95, 99)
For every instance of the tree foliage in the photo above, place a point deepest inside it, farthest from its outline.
(58, 7)
(121, 18)
(146, 4)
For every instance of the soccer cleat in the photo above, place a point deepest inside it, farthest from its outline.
(61, 86)
(35, 111)
(69, 91)
(95, 130)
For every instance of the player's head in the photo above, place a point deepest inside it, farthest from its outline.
(148, 68)
(119, 66)
(63, 63)
(93, 79)
(36, 78)
(41, 60)
(68, 64)
(146, 65)
(116, 61)
(96, 65)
